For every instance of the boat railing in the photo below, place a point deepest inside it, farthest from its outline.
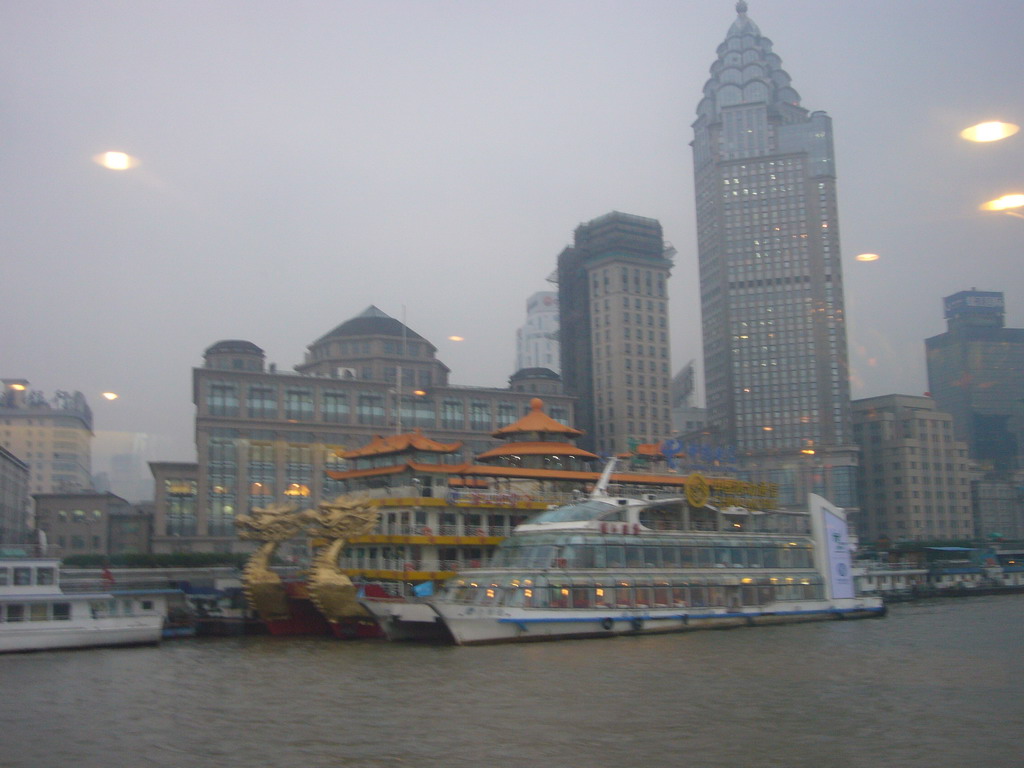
(491, 497)
(79, 586)
(409, 565)
(444, 530)
(875, 565)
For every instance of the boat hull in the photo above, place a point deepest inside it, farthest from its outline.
(400, 620)
(471, 625)
(46, 636)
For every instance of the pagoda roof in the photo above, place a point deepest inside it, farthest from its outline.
(502, 471)
(537, 448)
(652, 450)
(403, 443)
(537, 421)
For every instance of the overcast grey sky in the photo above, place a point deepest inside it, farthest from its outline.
(301, 160)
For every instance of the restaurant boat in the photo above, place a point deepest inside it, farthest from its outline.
(36, 614)
(614, 565)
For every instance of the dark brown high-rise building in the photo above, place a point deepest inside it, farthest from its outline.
(613, 329)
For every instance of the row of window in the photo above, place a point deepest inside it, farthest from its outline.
(27, 576)
(652, 555)
(15, 612)
(370, 408)
(338, 349)
(621, 592)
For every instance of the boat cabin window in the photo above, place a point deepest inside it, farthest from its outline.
(3, 577)
(44, 576)
(703, 520)
(22, 577)
(61, 611)
(663, 518)
(15, 613)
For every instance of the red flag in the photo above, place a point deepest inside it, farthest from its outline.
(108, 577)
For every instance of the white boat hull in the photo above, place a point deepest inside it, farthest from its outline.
(473, 625)
(402, 620)
(43, 636)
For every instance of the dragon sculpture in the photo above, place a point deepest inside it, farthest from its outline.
(331, 591)
(263, 588)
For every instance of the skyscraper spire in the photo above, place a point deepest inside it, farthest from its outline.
(743, 25)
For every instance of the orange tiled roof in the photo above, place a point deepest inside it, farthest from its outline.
(537, 448)
(409, 441)
(483, 470)
(537, 421)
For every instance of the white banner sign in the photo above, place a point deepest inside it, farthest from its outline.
(837, 550)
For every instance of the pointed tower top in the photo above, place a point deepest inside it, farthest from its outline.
(372, 311)
(743, 25)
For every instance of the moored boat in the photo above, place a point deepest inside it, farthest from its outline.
(612, 565)
(36, 614)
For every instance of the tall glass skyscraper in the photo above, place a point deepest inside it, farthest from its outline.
(775, 360)
(770, 277)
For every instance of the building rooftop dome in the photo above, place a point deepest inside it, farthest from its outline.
(372, 322)
(234, 347)
(535, 373)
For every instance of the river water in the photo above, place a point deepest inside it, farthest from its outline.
(936, 683)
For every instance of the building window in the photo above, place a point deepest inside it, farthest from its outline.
(261, 402)
(222, 399)
(181, 507)
(480, 416)
(370, 408)
(335, 406)
(298, 404)
(453, 415)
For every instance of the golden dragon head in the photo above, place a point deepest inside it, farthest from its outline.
(276, 522)
(343, 518)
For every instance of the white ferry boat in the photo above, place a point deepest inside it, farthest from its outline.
(607, 566)
(36, 614)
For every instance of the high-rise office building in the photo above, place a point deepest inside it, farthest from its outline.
(771, 290)
(915, 475)
(774, 332)
(14, 500)
(537, 339)
(975, 373)
(53, 436)
(613, 305)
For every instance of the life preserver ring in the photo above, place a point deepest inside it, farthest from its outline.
(637, 624)
(607, 623)
(427, 531)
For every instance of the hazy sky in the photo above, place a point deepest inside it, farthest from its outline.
(301, 160)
